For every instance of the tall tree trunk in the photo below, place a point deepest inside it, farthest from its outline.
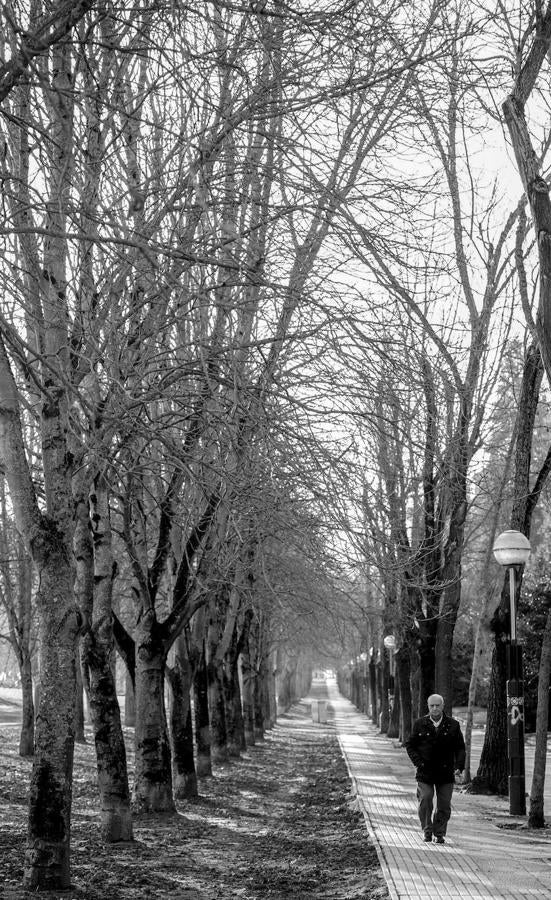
(181, 722)
(492, 771)
(217, 710)
(238, 715)
(80, 737)
(26, 739)
(492, 775)
(49, 542)
(478, 654)
(529, 166)
(256, 661)
(395, 714)
(248, 675)
(181, 730)
(95, 575)
(116, 818)
(232, 699)
(536, 817)
(373, 690)
(47, 856)
(271, 688)
(404, 685)
(129, 701)
(153, 766)
(25, 615)
(452, 593)
(427, 660)
(258, 692)
(185, 785)
(482, 625)
(202, 724)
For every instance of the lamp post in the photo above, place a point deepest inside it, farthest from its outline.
(390, 644)
(373, 686)
(352, 682)
(365, 693)
(512, 549)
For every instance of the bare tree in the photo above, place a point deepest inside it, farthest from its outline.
(51, 25)
(16, 598)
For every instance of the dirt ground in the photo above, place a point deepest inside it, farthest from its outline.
(279, 823)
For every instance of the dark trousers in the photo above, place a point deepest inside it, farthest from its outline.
(425, 796)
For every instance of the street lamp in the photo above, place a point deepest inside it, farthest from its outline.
(364, 691)
(512, 549)
(390, 644)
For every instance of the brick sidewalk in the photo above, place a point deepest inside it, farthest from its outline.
(488, 855)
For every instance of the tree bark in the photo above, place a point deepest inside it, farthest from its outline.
(217, 709)
(451, 575)
(153, 767)
(403, 678)
(248, 676)
(96, 570)
(129, 701)
(45, 33)
(49, 541)
(202, 724)
(396, 712)
(492, 774)
(232, 699)
(482, 625)
(529, 166)
(215, 676)
(536, 817)
(26, 739)
(259, 690)
(47, 856)
(373, 691)
(116, 818)
(80, 737)
(181, 725)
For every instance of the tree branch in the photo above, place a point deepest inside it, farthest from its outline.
(49, 31)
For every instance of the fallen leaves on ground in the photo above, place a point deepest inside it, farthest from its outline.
(281, 822)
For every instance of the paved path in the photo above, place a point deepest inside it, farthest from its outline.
(488, 855)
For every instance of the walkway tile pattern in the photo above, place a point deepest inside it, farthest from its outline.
(480, 860)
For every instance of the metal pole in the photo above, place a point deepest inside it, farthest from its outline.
(513, 604)
(515, 712)
(391, 687)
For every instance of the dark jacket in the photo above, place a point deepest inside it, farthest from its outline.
(436, 752)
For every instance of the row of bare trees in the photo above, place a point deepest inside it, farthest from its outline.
(171, 178)
(439, 486)
(254, 279)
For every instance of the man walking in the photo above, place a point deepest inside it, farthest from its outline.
(437, 748)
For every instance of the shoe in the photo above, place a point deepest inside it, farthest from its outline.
(427, 836)
(440, 839)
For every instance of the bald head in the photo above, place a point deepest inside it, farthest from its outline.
(435, 704)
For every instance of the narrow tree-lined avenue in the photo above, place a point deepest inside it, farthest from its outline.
(266, 317)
